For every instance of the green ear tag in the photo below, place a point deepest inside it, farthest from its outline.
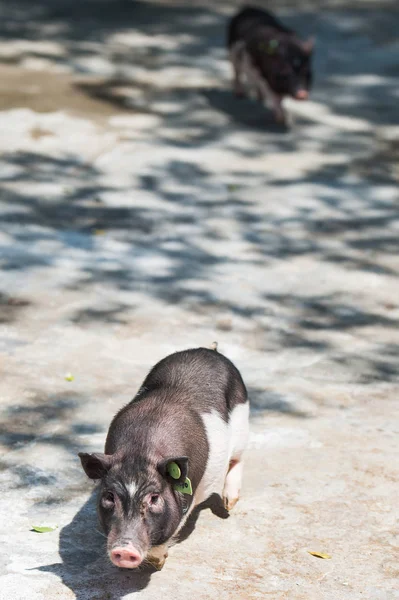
(185, 487)
(174, 470)
(273, 44)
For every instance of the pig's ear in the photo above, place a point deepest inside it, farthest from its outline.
(308, 45)
(174, 469)
(95, 465)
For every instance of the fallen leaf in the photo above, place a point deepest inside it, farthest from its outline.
(390, 305)
(99, 231)
(319, 554)
(69, 377)
(39, 529)
(232, 187)
(37, 133)
(224, 324)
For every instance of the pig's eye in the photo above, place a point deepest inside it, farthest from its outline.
(154, 502)
(154, 499)
(108, 500)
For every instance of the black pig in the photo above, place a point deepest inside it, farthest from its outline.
(178, 441)
(270, 56)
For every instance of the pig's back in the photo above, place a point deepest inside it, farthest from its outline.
(248, 20)
(202, 377)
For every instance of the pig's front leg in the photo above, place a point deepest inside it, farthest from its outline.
(232, 484)
(266, 94)
(157, 556)
(278, 110)
(275, 103)
(236, 60)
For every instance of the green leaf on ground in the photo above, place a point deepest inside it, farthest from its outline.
(39, 529)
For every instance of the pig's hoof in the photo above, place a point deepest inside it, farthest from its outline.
(157, 558)
(157, 563)
(280, 118)
(229, 503)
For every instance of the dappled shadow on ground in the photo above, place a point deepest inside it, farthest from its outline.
(48, 418)
(267, 400)
(10, 306)
(213, 225)
(192, 231)
(41, 435)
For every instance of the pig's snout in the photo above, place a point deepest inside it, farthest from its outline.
(126, 557)
(302, 95)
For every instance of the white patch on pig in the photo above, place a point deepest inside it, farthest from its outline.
(227, 441)
(132, 489)
(217, 432)
(239, 430)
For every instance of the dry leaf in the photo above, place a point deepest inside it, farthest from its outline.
(319, 554)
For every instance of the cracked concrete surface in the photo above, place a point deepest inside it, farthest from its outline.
(144, 210)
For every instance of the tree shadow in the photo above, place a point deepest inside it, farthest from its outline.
(173, 250)
(262, 400)
(10, 307)
(29, 422)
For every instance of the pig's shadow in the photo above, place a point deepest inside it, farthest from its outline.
(214, 503)
(85, 568)
(245, 111)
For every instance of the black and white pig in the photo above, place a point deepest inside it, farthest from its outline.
(180, 440)
(270, 57)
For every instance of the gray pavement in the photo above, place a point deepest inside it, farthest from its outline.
(145, 210)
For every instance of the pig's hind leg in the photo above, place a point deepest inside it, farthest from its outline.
(232, 484)
(239, 430)
(266, 94)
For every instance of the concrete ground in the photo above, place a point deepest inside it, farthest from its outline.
(145, 210)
